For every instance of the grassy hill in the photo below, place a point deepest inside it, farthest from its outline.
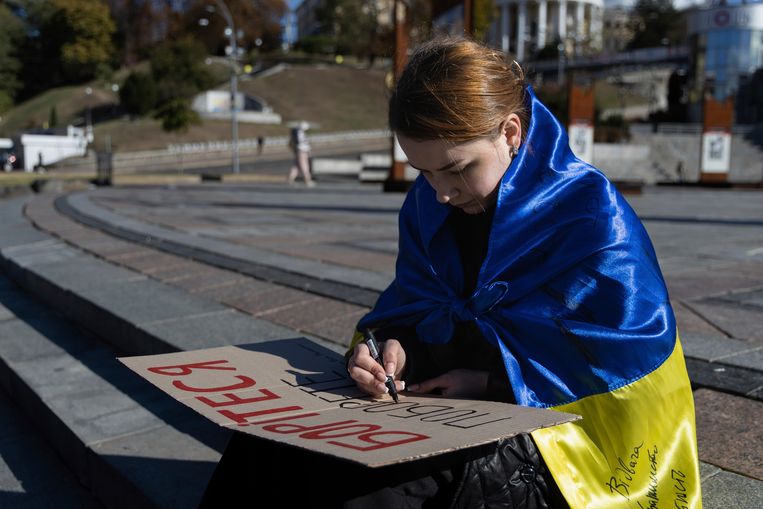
(335, 97)
(71, 104)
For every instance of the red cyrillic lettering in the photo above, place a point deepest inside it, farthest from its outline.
(233, 399)
(296, 428)
(242, 418)
(325, 433)
(245, 382)
(185, 369)
(369, 437)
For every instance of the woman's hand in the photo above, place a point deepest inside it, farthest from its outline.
(457, 383)
(369, 374)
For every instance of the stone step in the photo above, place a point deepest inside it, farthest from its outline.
(124, 441)
(135, 314)
(715, 362)
(31, 474)
(358, 286)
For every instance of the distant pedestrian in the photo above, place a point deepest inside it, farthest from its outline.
(260, 144)
(301, 149)
(39, 167)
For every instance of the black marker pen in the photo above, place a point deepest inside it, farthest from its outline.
(373, 347)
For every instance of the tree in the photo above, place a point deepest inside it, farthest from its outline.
(137, 95)
(53, 117)
(179, 72)
(656, 23)
(352, 24)
(40, 69)
(11, 35)
(81, 31)
(68, 41)
(141, 25)
(318, 43)
(483, 12)
(419, 18)
(176, 115)
(259, 20)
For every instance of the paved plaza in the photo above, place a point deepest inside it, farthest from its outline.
(154, 269)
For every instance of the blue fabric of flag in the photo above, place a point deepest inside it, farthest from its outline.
(570, 289)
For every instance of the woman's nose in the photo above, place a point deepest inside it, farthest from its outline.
(444, 190)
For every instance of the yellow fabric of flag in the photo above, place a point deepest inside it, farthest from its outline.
(635, 447)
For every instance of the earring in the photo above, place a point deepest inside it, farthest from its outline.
(513, 151)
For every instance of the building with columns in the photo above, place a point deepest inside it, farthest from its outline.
(525, 27)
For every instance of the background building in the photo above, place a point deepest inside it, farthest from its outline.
(525, 27)
(726, 41)
(307, 21)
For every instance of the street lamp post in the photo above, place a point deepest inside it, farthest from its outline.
(561, 49)
(88, 120)
(230, 31)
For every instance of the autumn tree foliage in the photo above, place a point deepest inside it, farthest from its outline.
(656, 23)
(258, 20)
(11, 36)
(81, 31)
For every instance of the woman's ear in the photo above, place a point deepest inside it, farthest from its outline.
(512, 130)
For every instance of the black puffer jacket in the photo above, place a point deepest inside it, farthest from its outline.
(513, 476)
(509, 474)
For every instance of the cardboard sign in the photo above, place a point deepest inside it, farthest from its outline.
(297, 392)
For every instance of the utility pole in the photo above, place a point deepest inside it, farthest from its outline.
(469, 17)
(396, 179)
(230, 31)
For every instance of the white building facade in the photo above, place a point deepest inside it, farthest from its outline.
(524, 27)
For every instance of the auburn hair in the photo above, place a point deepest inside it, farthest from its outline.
(456, 89)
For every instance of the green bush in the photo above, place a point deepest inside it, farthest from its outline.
(138, 94)
(315, 44)
(53, 117)
(6, 101)
(179, 70)
(177, 116)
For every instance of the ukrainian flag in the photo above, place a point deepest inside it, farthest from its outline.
(635, 446)
(571, 293)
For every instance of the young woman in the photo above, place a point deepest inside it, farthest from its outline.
(523, 276)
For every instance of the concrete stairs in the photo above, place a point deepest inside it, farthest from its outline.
(114, 433)
(31, 475)
(127, 443)
(65, 316)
